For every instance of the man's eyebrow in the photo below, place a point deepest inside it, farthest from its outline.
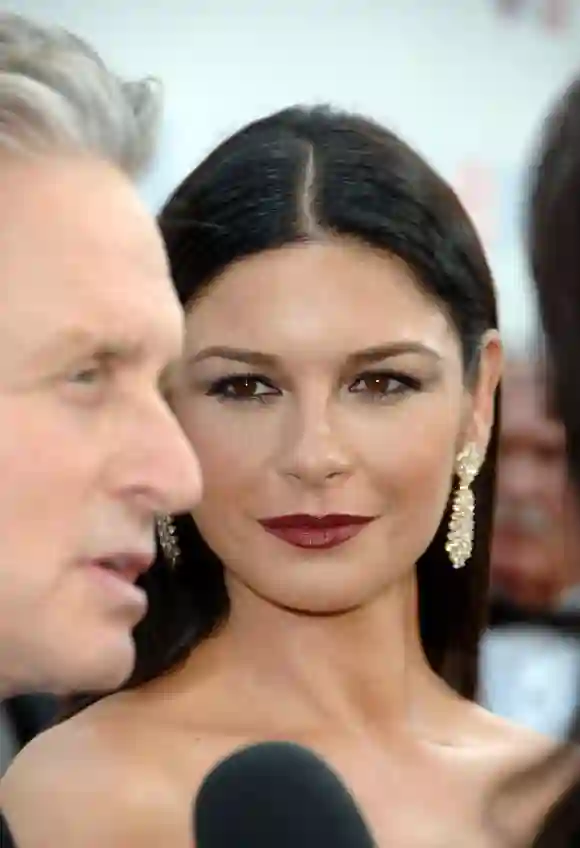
(79, 341)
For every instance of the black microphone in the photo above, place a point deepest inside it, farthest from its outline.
(276, 795)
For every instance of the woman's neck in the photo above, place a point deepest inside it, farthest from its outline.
(361, 669)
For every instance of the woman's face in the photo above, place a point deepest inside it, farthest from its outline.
(320, 382)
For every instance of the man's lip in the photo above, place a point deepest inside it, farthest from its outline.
(304, 521)
(128, 564)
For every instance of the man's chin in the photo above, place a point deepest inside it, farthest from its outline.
(99, 673)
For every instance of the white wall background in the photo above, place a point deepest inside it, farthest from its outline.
(463, 81)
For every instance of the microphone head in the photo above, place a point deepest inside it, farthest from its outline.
(276, 795)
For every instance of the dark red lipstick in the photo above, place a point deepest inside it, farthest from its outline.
(315, 531)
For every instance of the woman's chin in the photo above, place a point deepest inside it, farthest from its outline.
(321, 600)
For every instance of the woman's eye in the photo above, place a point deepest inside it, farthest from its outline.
(243, 387)
(384, 384)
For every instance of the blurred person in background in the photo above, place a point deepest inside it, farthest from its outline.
(534, 563)
(554, 245)
(530, 659)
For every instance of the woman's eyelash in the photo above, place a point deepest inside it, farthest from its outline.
(242, 387)
(378, 385)
(379, 382)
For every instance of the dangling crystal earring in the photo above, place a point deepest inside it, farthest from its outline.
(462, 525)
(168, 539)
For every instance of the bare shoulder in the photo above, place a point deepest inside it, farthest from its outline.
(524, 773)
(84, 783)
(506, 741)
(475, 734)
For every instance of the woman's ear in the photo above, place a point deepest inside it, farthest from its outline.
(483, 393)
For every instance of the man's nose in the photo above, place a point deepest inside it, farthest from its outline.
(158, 465)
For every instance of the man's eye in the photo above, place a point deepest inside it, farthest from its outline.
(89, 378)
(86, 376)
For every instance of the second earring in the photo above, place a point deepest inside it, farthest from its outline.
(462, 525)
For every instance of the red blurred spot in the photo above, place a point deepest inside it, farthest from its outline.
(556, 14)
(553, 14)
(476, 186)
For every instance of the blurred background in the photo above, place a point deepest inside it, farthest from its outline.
(467, 83)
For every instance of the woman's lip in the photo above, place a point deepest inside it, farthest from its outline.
(306, 522)
(318, 538)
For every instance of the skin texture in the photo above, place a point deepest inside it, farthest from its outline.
(321, 646)
(90, 451)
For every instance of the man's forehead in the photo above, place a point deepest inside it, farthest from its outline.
(524, 382)
(73, 298)
(82, 265)
(525, 414)
(45, 338)
(524, 398)
(67, 212)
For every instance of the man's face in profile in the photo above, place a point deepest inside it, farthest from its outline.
(89, 450)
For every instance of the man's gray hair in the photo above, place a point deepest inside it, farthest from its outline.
(57, 95)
